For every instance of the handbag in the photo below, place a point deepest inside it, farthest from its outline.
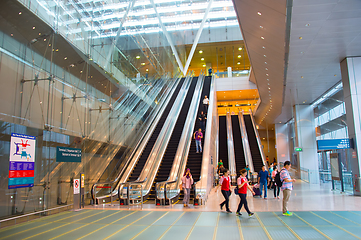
(236, 190)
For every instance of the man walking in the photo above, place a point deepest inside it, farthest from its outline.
(287, 186)
(202, 118)
(262, 180)
(198, 136)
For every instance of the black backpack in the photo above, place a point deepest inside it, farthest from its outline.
(278, 179)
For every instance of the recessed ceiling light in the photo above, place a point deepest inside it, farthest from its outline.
(263, 47)
(12, 35)
(335, 75)
(301, 76)
(267, 79)
(266, 69)
(57, 50)
(262, 38)
(202, 59)
(33, 28)
(267, 74)
(269, 88)
(239, 56)
(240, 49)
(44, 39)
(204, 65)
(260, 26)
(142, 64)
(200, 51)
(300, 38)
(65, 58)
(137, 57)
(265, 62)
(259, 13)
(238, 63)
(146, 70)
(307, 25)
(20, 13)
(81, 71)
(264, 56)
(39, 33)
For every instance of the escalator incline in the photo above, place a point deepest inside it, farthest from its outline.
(222, 141)
(255, 151)
(238, 145)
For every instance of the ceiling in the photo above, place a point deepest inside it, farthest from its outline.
(305, 41)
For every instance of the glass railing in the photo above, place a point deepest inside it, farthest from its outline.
(241, 73)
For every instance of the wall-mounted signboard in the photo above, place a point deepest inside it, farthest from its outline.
(66, 154)
(22, 161)
(330, 144)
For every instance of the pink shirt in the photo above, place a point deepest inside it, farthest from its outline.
(187, 182)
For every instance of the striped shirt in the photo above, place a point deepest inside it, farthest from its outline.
(285, 175)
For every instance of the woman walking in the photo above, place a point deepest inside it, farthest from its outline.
(275, 187)
(187, 182)
(225, 183)
(242, 183)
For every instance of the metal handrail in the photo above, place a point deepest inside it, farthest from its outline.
(183, 148)
(93, 193)
(265, 163)
(30, 214)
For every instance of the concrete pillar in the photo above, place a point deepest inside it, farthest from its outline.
(306, 139)
(282, 146)
(351, 80)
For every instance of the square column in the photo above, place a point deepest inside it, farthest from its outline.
(306, 139)
(351, 81)
(283, 153)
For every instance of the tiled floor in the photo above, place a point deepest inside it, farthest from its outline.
(318, 214)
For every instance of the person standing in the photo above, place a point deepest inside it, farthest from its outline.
(205, 104)
(187, 181)
(275, 187)
(210, 71)
(225, 183)
(287, 187)
(262, 181)
(202, 118)
(198, 137)
(270, 170)
(243, 185)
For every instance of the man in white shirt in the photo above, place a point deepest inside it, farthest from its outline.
(205, 104)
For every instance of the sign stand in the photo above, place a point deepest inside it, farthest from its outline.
(79, 184)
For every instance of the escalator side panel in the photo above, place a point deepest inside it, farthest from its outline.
(255, 151)
(222, 141)
(238, 145)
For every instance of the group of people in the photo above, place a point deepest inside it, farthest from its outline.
(285, 184)
(198, 135)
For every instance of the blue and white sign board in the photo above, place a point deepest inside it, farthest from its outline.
(22, 161)
(330, 144)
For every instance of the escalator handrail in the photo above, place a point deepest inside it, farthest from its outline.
(259, 144)
(168, 126)
(245, 141)
(230, 148)
(138, 144)
(181, 156)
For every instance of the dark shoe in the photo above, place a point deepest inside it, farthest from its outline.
(221, 206)
(229, 211)
(251, 214)
(238, 214)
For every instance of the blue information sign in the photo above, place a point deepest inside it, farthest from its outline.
(66, 154)
(330, 144)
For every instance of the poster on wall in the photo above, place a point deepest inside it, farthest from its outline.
(21, 161)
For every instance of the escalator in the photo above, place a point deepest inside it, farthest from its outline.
(170, 152)
(238, 145)
(194, 161)
(253, 144)
(222, 141)
(148, 148)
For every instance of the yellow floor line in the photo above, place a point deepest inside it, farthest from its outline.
(289, 228)
(84, 225)
(313, 227)
(148, 226)
(262, 225)
(240, 229)
(216, 228)
(61, 226)
(106, 225)
(355, 213)
(32, 220)
(193, 226)
(41, 225)
(336, 225)
(126, 226)
(171, 225)
(345, 218)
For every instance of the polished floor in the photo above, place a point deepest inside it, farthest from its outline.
(318, 214)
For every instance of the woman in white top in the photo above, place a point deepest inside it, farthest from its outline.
(205, 104)
(187, 182)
